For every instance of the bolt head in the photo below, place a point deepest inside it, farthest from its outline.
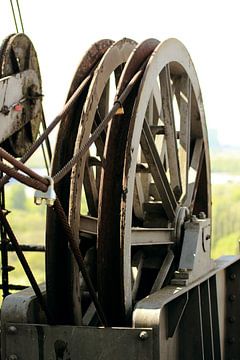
(232, 319)
(231, 340)
(143, 335)
(232, 297)
(12, 330)
(202, 215)
(232, 276)
(13, 357)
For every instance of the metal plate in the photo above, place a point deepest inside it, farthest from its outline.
(77, 343)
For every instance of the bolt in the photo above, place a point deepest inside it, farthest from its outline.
(194, 219)
(231, 340)
(202, 215)
(12, 330)
(232, 276)
(5, 110)
(143, 335)
(232, 319)
(232, 297)
(13, 357)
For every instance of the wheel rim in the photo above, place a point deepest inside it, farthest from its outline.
(94, 98)
(110, 195)
(169, 67)
(95, 109)
(59, 278)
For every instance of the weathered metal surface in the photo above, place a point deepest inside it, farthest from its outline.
(195, 258)
(14, 95)
(77, 343)
(198, 321)
(146, 182)
(16, 55)
(124, 194)
(111, 280)
(23, 307)
(77, 133)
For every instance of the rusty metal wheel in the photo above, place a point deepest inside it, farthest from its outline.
(157, 175)
(84, 179)
(59, 277)
(16, 55)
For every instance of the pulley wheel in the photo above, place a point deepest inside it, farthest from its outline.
(16, 55)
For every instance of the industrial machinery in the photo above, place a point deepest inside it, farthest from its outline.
(128, 233)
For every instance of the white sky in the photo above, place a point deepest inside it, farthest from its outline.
(62, 31)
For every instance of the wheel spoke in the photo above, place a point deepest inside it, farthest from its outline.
(162, 274)
(90, 188)
(194, 172)
(183, 94)
(170, 131)
(158, 173)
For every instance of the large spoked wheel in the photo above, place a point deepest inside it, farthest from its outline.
(84, 180)
(16, 55)
(59, 277)
(162, 176)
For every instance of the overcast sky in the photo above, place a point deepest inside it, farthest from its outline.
(62, 31)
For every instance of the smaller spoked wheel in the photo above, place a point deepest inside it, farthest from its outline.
(16, 55)
(157, 175)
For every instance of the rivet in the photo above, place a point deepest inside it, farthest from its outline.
(202, 215)
(143, 335)
(231, 340)
(232, 297)
(13, 357)
(12, 330)
(232, 276)
(232, 319)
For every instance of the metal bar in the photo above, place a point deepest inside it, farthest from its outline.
(90, 188)
(88, 225)
(4, 252)
(194, 172)
(79, 259)
(24, 263)
(151, 236)
(158, 172)
(14, 287)
(170, 130)
(162, 274)
(138, 275)
(185, 105)
(25, 248)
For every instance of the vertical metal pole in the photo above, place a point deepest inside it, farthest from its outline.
(4, 252)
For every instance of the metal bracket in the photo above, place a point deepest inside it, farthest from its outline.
(49, 196)
(195, 260)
